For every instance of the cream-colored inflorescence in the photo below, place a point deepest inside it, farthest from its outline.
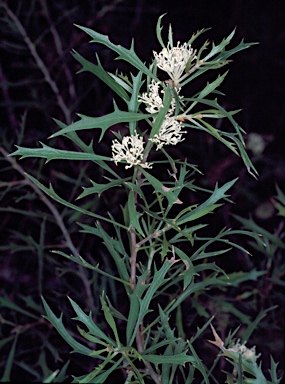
(154, 98)
(130, 150)
(174, 60)
(170, 133)
(248, 354)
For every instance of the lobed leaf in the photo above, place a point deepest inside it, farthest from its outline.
(103, 122)
(133, 214)
(110, 320)
(128, 55)
(209, 205)
(50, 153)
(100, 72)
(58, 324)
(160, 188)
(89, 323)
(180, 358)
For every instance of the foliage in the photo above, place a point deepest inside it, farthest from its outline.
(157, 255)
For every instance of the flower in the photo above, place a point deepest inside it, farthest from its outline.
(131, 150)
(153, 98)
(174, 60)
(247, 354)
(169, 133)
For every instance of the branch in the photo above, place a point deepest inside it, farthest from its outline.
(60, 223)
(60, 51)
(41, 65)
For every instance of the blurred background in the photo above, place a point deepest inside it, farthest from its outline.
(38, 83)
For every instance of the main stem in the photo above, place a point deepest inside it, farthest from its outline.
(133, 263)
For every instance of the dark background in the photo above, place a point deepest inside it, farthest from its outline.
(254, 84)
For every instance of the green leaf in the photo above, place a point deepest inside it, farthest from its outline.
(158, 31)
(253, 325)
(199, 365)
(100, 72)
(9, 363)
(5, 302)
(158, 280)
(99, 188)
(190, 271)
(280, 195)
(220, 47)
(89, 323)
(85, 263)
(133, 214)
(50, 192)
(50, 153)
(237, 278)
(110, 320)
(103, 122)
(209, 205)
(256, 229)
(200, 330)
(73, 136)
(197, 34)
(133, 105)
(61, 377)
(181, 359)
(134, 297)
(238, 141)
(95, 340)
(128, 55)
(197, 213)
(160, 188)
(120, 262)
(212, 86)
(273, 371)
(95, 374)
(58, 324)
(214, 132)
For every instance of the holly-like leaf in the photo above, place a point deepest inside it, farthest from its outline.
(128, 55)
(209, 205)
(58, 324)
(103, 122)
(100, 72)
(50, 153)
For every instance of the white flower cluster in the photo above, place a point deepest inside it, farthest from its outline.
(153, 98)
(130, 150)
(174, 60)
(169, 133)
(248, 354)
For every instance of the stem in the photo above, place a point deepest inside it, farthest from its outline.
(133, 261)
(60, 51)
(140, 346)
(133, 258)
(41, 65)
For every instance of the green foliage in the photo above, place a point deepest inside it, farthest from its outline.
(160, 261)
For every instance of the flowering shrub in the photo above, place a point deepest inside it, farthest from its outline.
(160, 252)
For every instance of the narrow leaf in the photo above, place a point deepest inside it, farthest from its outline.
(160, 188)
(133, 214)
(218, 194)
(88, 322)
(110, 320)
(103, 122)
(179, 359)
(124, 54)
(58, 324)
(50, 153)
(100, 72)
